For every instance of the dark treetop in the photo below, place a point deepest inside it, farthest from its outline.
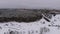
(25, 15)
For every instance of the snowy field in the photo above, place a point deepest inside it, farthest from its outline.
(38, 27)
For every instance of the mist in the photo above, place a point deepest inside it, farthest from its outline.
(53, 4)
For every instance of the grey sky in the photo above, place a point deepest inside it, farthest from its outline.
(30, 4)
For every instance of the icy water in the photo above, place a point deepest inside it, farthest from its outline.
(38, 27)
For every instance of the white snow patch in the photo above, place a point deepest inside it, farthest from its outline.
(34, 26)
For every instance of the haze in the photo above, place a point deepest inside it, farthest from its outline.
(54, 4)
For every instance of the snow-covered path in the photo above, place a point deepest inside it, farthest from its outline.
(52, 27)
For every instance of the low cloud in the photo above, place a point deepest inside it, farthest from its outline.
(30, 4)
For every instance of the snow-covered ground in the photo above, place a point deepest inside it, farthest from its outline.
(38, 27)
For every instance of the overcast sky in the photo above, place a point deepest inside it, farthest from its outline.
(30, 4)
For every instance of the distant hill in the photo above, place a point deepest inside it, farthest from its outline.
(23, 15)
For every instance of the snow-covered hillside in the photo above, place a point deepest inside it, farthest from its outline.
(38, 27)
